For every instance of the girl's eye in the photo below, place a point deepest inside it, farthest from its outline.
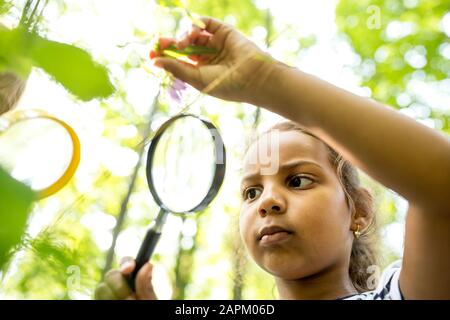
(251, 193)
(299, 182)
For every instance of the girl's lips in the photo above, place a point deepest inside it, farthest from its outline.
(272, 235)
(271, 229)
(275, 238)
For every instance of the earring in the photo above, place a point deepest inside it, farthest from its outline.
(357, 233)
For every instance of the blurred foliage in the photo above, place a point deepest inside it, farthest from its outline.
(62, 255)
(73, 68)
(15, 45)
(21, 50)
(67, 64)
(244, 13)
(4, 6)
(399, 42)
(15, 204)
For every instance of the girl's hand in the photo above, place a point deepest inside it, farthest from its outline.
(115, 286)
(235, 72)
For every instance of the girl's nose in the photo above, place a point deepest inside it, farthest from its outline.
(271, 203)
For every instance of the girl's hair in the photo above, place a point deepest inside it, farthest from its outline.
(365, 248)
(11, 88)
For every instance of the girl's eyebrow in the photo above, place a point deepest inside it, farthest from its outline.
(284, 167)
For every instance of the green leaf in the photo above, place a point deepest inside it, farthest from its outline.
(191, 50)
(4, 7)
(169, 3)
(73, 67)
(14, 44)
(15, 204)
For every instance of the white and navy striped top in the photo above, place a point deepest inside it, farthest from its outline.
(388, 287)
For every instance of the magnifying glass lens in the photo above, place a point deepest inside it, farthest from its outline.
(184, 164)
(36, 151)
(185, 169)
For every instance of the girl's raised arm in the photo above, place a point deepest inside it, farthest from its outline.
(402, 154)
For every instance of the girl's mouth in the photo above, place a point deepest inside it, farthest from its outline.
(273, 235)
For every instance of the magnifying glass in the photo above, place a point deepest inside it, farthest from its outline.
(38, 149)
(185, 169)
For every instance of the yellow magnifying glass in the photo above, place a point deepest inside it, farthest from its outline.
(39, 150)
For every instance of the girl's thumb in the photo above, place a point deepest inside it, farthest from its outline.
(127, 265)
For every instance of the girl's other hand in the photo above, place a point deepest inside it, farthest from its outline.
(115, 286)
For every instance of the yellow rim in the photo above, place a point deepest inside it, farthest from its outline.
(19, 116)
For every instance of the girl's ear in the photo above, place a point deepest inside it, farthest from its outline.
(363, 213)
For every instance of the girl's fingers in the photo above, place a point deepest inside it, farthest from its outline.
(196, 36)
(127, 265)
(203, 38)
(164, 43)
(200, 59)
(104, 292)
(181, 70)
(117, 283)
(144, 287)
(196, 58)
(213, 25)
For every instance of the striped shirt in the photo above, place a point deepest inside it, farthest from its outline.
(388, 287)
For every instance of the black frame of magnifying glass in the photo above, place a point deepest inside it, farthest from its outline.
(220, 156)
(153, 234)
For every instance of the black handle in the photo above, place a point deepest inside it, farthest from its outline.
(145, 252)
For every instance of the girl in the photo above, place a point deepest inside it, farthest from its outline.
(308, 223)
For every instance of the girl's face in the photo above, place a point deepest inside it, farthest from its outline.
(295, 222)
